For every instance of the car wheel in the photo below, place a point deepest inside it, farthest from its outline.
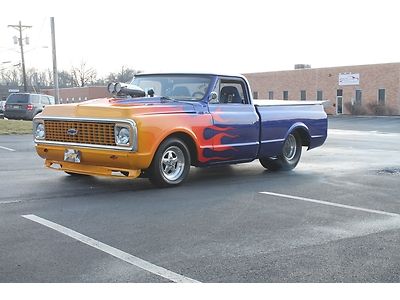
(171, 164)
(288, 159)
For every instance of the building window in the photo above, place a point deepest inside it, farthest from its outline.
(285, 95)
(303, 95)
(358, 97)
(320, 95)
(339, 93)
(255, 95)
(381, 96)
(270, 95)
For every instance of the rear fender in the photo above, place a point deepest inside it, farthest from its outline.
(304, 132)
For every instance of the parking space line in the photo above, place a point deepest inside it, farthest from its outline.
(380, 212)
(9, 149)
(133, 260)
(10, 201)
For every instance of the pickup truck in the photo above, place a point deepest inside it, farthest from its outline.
(161, 124)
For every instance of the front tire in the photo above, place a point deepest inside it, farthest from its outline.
(171, 163)
(289, 158)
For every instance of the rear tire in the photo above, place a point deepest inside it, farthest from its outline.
(289, 158)
(171, 164)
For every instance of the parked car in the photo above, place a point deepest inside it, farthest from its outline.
(168, 122)
(26, 106)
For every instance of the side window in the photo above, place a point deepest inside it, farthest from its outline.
(285, 95)
(381, 96)
(45, 100)
(34, 99)
(358, 97)
(231, 92)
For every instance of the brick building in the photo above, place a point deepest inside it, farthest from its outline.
(79, 94)
(365, 89)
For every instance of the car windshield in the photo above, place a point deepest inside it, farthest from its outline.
(18, 98)
(179, 87)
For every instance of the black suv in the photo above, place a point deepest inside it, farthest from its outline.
(26, 106)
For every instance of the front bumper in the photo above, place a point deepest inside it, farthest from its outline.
(101, 162)
(91, 170)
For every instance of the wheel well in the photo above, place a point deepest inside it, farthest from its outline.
(304, 135)
(188, 140)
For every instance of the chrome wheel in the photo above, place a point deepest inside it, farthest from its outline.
(172, 163)
(290, 147)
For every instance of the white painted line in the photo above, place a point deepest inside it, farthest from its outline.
(133, 260)
(10, 201)
(9, 149)
(362, 133)
(380, 212)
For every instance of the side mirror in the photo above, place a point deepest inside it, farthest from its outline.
(213, 98)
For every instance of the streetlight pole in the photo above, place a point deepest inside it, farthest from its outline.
(55, 72)
(20, 28)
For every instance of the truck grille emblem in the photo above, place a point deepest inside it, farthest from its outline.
(72, 131)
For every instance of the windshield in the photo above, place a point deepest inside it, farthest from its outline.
(180, 87)
(18, 98)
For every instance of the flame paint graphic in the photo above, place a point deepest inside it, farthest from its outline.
(218, 135)
(212, 139)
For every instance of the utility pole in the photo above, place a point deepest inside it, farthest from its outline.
(20, 28)
(55, 72)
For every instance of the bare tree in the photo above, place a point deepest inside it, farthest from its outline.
(124, 75)
(65, 79)
(50, 76)
(39, 78)
(83, 75)
(11, 77)
(78, 76)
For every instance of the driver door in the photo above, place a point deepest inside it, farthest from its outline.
(236, 125)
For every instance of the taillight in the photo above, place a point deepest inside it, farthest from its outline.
(29, 107)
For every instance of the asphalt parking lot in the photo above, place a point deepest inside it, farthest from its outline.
(335, 218)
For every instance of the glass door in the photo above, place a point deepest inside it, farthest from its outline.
(339, 105)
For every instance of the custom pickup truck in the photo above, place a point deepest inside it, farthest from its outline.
(161, 124)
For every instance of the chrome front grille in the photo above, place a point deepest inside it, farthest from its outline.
(90, 133)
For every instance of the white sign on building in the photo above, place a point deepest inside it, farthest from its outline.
(349, 78)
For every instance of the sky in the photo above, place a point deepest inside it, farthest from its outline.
(202, 36)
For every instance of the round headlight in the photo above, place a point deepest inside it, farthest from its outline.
(123, 136)
(39, 132)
